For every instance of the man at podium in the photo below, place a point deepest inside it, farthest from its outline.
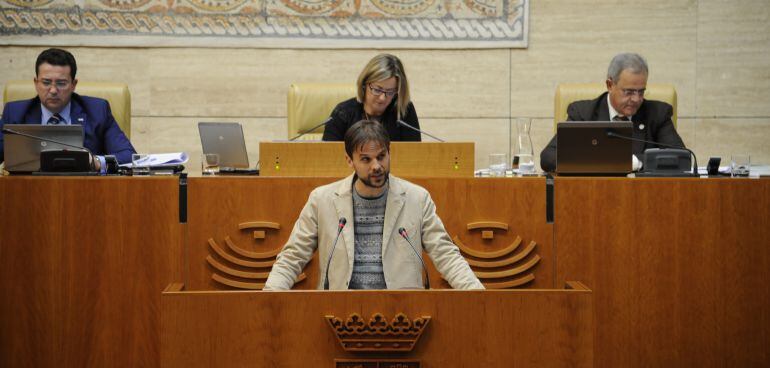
(370, 228)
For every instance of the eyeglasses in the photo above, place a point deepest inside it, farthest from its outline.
(379, 92)
(631, 92)
(59, 84)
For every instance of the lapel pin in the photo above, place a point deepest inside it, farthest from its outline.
(641, 126)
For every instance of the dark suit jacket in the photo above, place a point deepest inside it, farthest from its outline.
(102, 133)
(652, 122)
(351, 111)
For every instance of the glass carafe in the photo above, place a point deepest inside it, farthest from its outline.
(523, 159)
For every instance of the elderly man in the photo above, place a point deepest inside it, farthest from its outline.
(372, 252)
(624, 101)
(56, 103)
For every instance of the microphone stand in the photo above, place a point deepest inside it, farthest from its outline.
(402, 232)
(41, 139)
(311, 129)
(341, 226)
(404, 124)
(694, 158)
(11, 131)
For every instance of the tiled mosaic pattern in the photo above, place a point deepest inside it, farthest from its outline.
(271, 23)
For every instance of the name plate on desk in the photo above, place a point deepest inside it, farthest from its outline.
(407, 159)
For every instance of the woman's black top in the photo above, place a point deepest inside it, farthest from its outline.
(351, 111)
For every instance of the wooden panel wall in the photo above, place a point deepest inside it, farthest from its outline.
(82, 264)
(501, 328)
(679, 268)
(219, 205)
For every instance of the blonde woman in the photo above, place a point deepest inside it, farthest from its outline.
(383, 96)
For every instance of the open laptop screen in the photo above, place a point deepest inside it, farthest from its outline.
(583, 148)
(226, 140)
(22, 154)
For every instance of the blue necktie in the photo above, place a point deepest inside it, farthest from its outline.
(56, 119)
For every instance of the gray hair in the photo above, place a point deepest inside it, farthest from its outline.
(626, 61)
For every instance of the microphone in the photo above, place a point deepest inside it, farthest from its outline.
(41, 139)
(11, 131)
(402, 232)
(694, 159)
(340, 226)
(312, 129)
(404, 124)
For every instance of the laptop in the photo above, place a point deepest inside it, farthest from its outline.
(22, 154)
(226, 140)
(585, 149)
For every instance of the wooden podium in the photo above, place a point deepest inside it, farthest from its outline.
(408, 159)
(407, 328)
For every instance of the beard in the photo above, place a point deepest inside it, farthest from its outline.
(368, 182)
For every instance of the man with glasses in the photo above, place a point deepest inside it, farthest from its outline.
(56, 103)
(623, 101)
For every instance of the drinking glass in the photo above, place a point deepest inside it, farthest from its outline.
(209, 163)
(140, 164)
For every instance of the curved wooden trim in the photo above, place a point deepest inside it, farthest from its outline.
(213, 244)
(576, 285)
(232, 272)
(504, 262)
(513, 271)
(480, 254)
(259, 224)
(509, 284)
(237, 284)
(253, 255)
(487, 225)
(174, 287)
(246, 285)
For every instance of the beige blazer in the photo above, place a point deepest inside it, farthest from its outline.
(408, 206)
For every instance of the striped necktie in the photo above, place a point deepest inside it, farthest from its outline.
(56, 119)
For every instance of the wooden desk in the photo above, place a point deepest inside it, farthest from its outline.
(407, 159)
(236, 219)
(82, 263)
(679, 268)
(499, 328)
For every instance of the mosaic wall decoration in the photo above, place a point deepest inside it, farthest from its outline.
(267, 23)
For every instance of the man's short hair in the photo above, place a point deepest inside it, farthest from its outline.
(365, 131)
(626, 61)
(57, 57)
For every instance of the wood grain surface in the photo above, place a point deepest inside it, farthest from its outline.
(501, 328)
(679, 268)
(82, 261)
(219, 205)
(408, 159)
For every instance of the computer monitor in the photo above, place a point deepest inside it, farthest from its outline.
(22, 154)
(584, 148)
(226, 140)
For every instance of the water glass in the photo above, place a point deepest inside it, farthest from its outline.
(140, 164)
(498, 163)
(209, 163)
(526, 164)
(740, 165)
